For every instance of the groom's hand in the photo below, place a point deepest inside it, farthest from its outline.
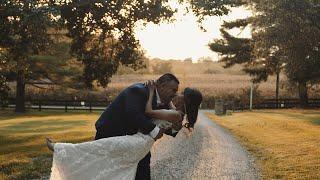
(160, 134)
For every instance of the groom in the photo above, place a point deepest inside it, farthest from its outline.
(126, 115)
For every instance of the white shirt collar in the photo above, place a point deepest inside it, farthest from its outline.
(158, 97)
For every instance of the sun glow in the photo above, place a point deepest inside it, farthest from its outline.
(183, 38)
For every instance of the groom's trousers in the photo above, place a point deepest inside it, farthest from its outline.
(143, 171)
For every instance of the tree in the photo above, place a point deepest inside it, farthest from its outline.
(31, 53)
(23, 33)
(294, 28)
(204, 8)
(283, 33)
(233, 50)
(259, 64)
(4, 89)
(102, 33)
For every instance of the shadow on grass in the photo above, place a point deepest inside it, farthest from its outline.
(6, 141)
(311, 116)
(35, 169)
(316, 121)
(22, 160)
(45, 126)
(24, 144)
(18, 144)
(9, 114)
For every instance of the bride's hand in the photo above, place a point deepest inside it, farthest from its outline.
(151, 85)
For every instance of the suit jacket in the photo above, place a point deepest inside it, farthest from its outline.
(126, 114)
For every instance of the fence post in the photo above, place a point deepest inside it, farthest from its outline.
(233, 106)
(251, 94)
(3, 104)
(90, 106)
(39, 105)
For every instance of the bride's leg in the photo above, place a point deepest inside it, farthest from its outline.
(50, 144)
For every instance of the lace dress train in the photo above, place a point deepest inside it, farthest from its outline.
(108, 158)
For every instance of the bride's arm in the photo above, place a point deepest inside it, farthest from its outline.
(163, 114)
(172, 106)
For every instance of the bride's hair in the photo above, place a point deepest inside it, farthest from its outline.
(193, 99)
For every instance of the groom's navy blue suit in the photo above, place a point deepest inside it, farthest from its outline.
(126, 116)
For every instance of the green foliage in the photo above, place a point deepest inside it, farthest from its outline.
(243, 51)
(293, 27)
(203, 8)
(23, 30)
(102, 33)
(298, 34)
(68, 73)
(233, 50)
(23, 33)
(208, 102)
(285, 35)
(244, 96)
(4, 89)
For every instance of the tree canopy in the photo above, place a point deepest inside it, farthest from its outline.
(292, 28)
(23, 33)
(102, 33)
(285, 34)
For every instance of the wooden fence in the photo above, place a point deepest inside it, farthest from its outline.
(68, 105)
(271, 104)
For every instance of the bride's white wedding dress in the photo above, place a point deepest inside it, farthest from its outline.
(103, 159)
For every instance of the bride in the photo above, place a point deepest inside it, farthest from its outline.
(118, 157)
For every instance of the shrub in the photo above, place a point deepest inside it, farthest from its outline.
(244, 97)
(162, 67)
(208, 102)
(210, 71)
(4, 92)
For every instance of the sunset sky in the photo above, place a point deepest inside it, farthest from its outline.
(183, 38)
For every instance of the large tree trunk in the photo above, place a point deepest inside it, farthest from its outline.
(20, 93)
(277, 90)
(303, 94)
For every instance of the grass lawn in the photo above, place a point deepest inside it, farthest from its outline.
(286, 143)
(23, 153)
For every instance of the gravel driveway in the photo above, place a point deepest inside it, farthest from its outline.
(210, 152)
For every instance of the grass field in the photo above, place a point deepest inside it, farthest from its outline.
(209, 84)
(23, 153)
(286, 143)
